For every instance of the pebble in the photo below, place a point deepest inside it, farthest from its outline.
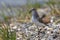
(30, 32)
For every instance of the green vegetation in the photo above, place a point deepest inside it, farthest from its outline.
(55, 7)
(23, 13)
(6, 34)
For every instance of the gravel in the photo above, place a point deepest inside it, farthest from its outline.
(29, 31)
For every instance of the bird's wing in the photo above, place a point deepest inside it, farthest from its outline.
(43, 11)
(39, 23)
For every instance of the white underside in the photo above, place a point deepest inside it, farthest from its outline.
(35, 21)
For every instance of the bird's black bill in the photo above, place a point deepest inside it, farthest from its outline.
(32, 10)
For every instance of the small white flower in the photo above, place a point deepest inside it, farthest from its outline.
(18, 29)
(15, 27)
(48, 32)
(11, 30)
(52, 19)
(18, 38)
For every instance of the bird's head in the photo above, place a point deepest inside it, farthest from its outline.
(33, 9)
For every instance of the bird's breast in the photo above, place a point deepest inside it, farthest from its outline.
(32, 18)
